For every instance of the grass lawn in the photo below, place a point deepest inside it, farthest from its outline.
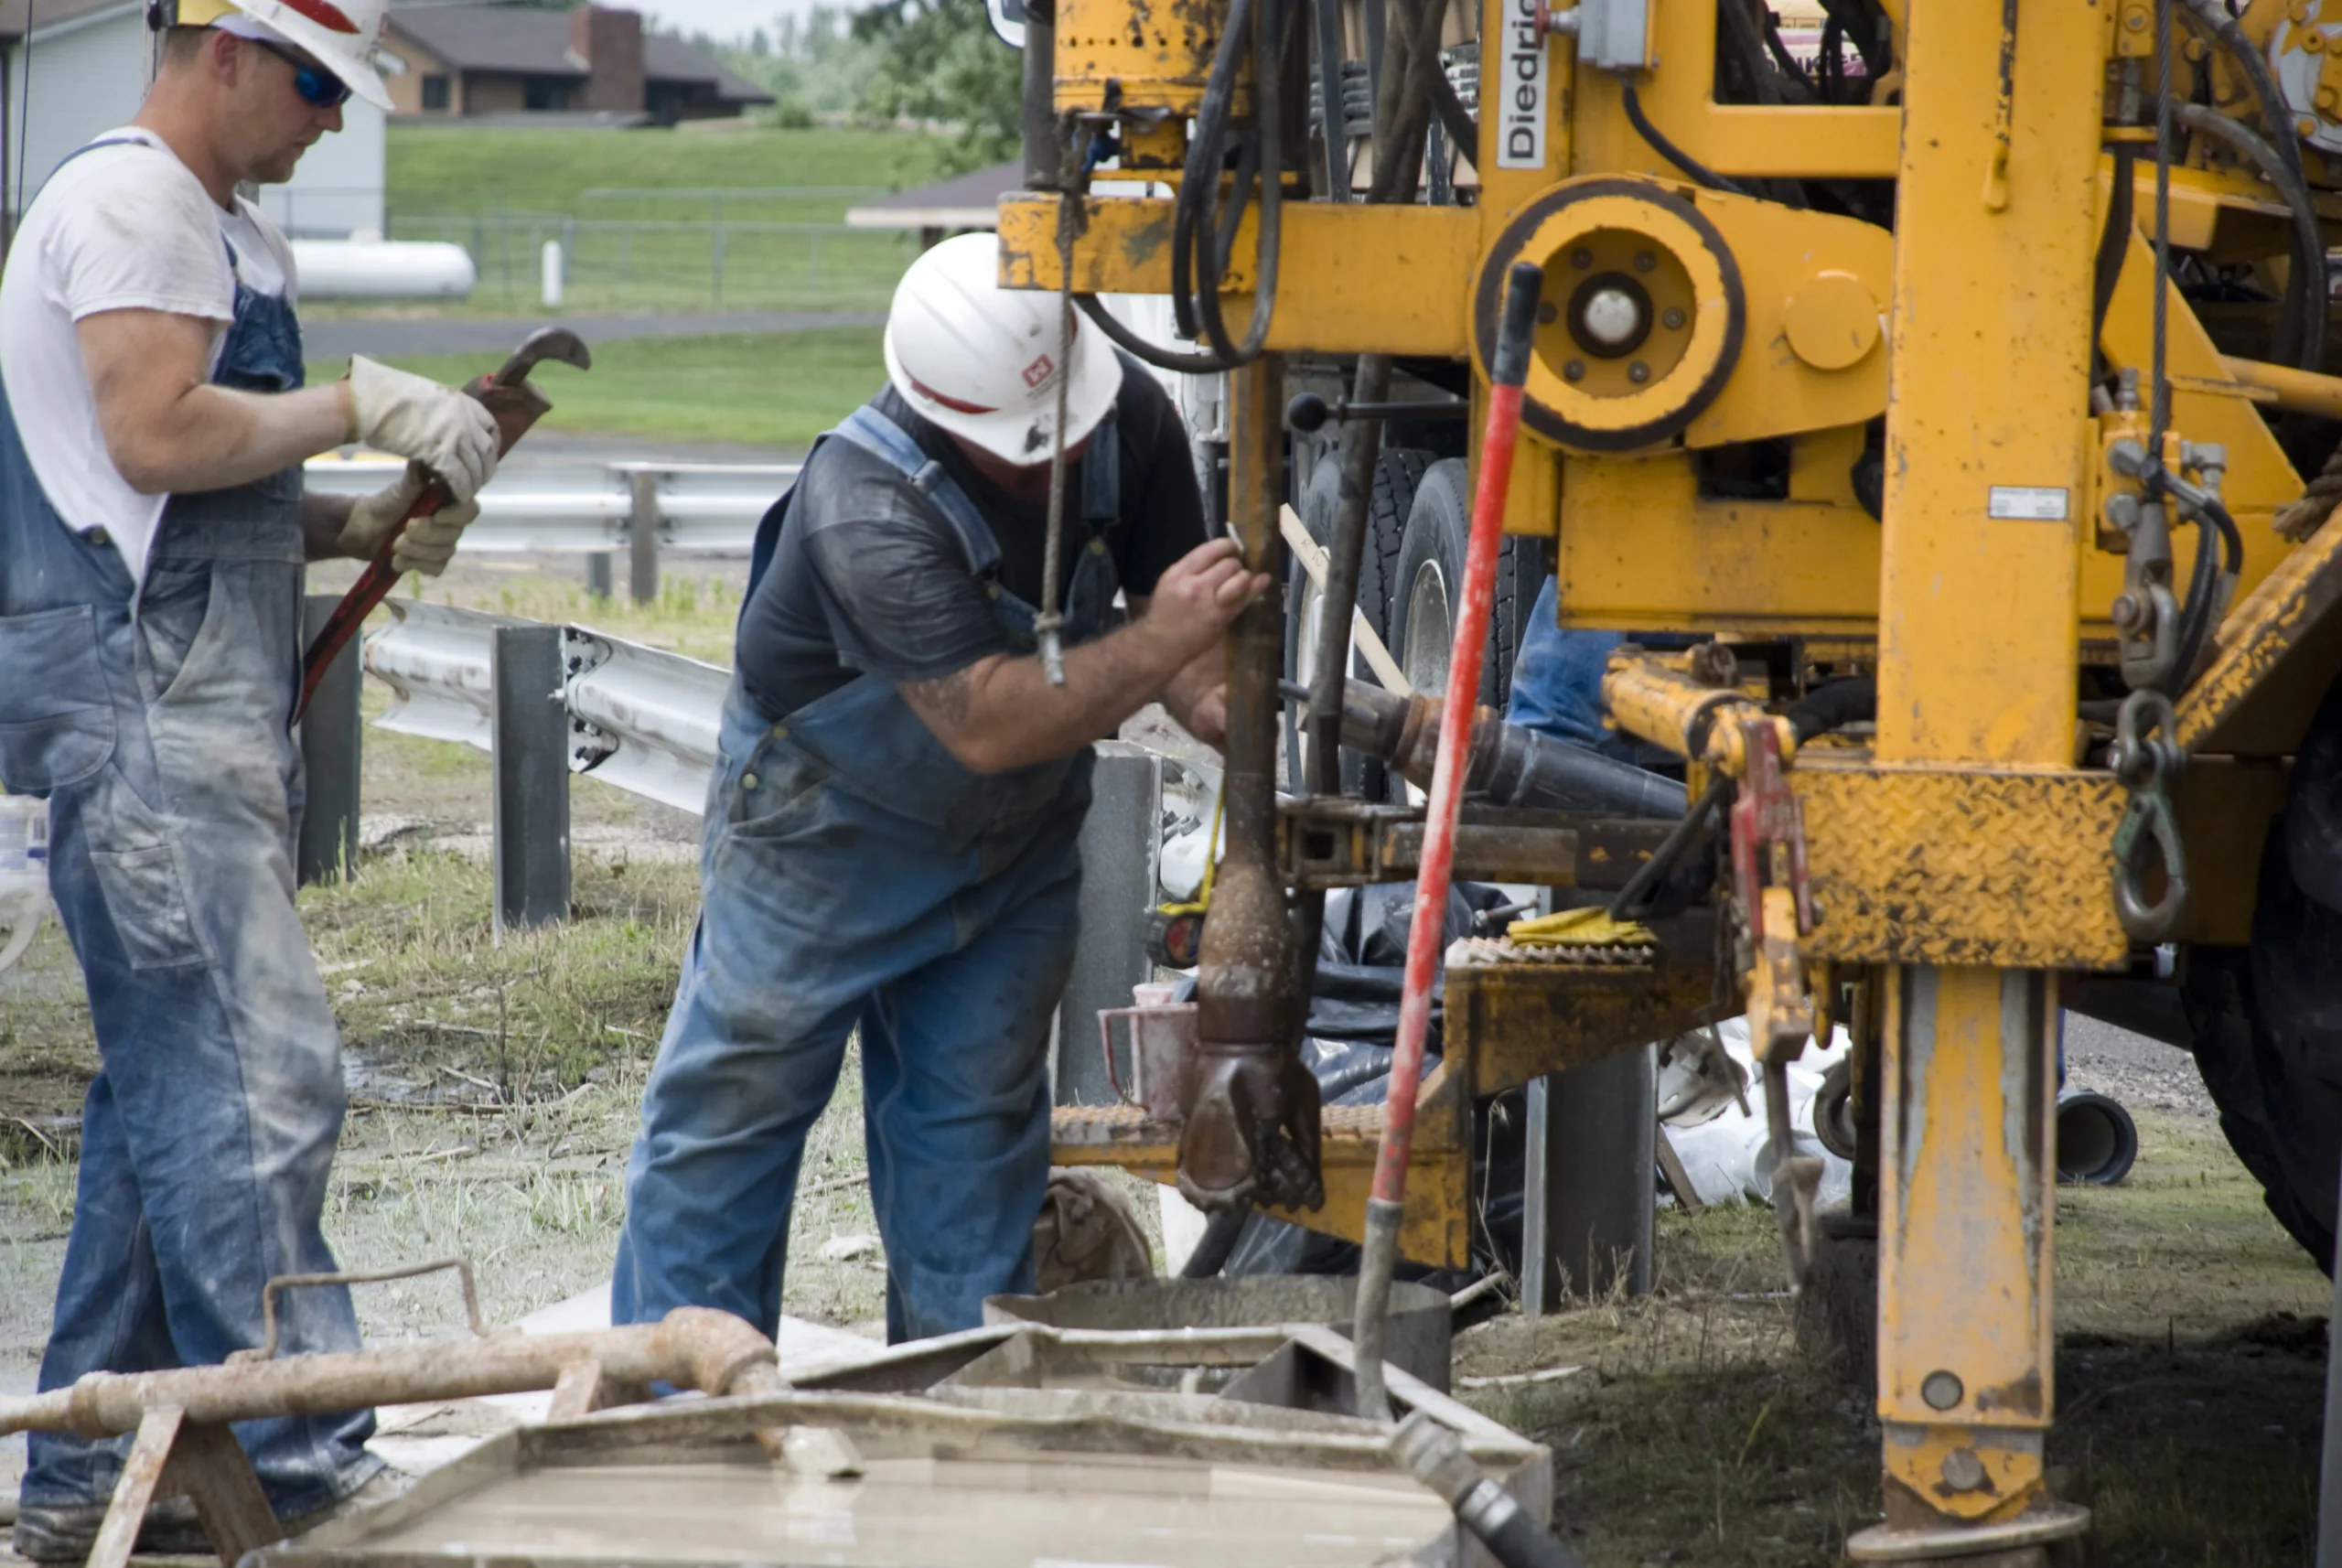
(463, 168)
(638, 214)
(778, 390)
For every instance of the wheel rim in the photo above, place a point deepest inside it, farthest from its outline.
(1305, 673)
(1431, 633)
(1430, 640)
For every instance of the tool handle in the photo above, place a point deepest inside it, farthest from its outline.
(373, 586)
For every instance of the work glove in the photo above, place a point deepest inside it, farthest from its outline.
(429, 542)
(415, 417)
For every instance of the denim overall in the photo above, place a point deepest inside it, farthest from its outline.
(156, 718)
(856, 874)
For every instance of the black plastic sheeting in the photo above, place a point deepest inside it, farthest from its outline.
(1352, 1033)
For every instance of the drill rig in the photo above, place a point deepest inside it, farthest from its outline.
(1885, 381)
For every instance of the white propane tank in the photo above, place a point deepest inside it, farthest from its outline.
(364, 267)
(24, 873)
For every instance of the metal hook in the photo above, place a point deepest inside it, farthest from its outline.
(269, 1324)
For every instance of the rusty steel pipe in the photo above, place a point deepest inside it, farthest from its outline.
(1250, 1124)
(1505, 764)
(692, 1346)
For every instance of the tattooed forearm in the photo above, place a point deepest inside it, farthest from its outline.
(943, 699)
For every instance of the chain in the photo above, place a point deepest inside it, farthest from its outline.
(2146, 757)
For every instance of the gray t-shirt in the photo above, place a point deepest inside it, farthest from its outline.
(868, 577)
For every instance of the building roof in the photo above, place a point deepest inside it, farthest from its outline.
(48, 14)
(532, 42)
(966, 201)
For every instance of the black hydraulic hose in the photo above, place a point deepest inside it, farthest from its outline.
(1748, 42)
(1206, 153)
(1153, 354)
(1786, 60)
(2114, 244)
(1263, 159)
(1699, 172)
(1834, 705)
(2277, 119)
(1634, 900)
(1463, 131)
(1217, 1244)
(2195, 614)
(2306, 349)
(1858, 20)
(2208, 586)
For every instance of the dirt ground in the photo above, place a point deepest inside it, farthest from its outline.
(495, 1092)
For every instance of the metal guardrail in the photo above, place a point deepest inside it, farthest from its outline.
(586, 509)
(641, 718)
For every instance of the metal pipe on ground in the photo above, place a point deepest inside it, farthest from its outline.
(691, 1347)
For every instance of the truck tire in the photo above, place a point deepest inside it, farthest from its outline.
(1396, 474)
(2268, 1019)
(1424, 589)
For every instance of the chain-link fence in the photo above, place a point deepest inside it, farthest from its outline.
(679, 248)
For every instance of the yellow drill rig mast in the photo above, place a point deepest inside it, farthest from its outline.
(1904, 363)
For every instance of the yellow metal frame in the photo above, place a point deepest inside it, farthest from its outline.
(1963, 856)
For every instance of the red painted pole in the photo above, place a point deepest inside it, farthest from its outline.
(1425, 935)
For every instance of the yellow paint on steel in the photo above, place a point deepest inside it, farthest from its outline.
(1960, 864)
(1437, 1228)
(1638, 549)
(1530, 1019)
(1149, 53)
(2277, 651)
(2209, 403)
(1842, 269)
(1977, 641)
(1965, 1224)
(1732, 139)
(1832, 320)
(1641, 243)
(1352, 278)
(2302, 392)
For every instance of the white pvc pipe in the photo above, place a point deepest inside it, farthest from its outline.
(551, 278)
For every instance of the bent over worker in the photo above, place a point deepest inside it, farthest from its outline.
(153, 530)
(891, 830)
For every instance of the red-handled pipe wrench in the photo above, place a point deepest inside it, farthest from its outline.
(515, 406)
(1387, 1202)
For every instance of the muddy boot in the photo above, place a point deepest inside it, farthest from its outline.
(64, 1532)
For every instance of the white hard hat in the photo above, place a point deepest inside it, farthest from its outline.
(983, 361)
(341, 34)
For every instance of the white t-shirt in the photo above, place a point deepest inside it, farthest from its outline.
(121, 228)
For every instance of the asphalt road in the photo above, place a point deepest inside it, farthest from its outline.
(466, 335)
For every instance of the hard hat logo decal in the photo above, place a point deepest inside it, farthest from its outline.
(1040, 370)
(324, 13)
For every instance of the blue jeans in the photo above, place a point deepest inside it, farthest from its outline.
(157, 718)
(208, 1135)
(1557, 685)
(826, 911)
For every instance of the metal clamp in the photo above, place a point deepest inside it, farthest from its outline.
(269, 1324)
(2146, 757)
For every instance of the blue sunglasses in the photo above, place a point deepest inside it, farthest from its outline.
(318, 88)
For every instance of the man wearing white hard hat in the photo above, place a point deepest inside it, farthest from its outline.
(153, 532)
(891, 830)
